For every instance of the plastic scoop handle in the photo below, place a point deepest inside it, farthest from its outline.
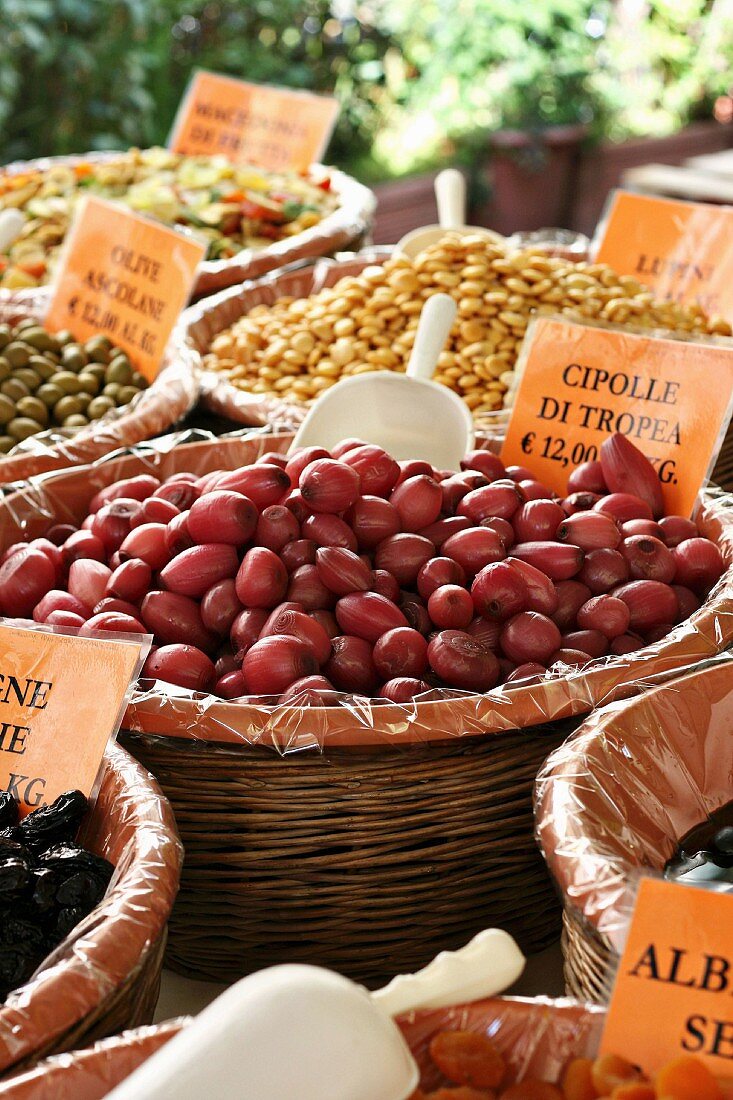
(450, 196)
(11, 224)
(436, 321)
(489, 964)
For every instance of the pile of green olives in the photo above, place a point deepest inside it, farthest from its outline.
(51, 380)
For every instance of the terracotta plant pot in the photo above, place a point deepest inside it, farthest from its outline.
(532, 177)
(619, 795)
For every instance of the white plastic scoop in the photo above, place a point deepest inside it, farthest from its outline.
(11, 224)
(409, 415)
(450, 197)
(300, 1031)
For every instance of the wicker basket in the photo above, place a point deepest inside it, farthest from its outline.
(346, 227)
(106, 975)
(409, 831)
(157, 409)
(537, 1037)
(619, 795)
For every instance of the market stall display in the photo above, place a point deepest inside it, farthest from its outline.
(105, 974)
(63, 403)
(273, 346)
(638, 776)
(254, 220)
(381, 780)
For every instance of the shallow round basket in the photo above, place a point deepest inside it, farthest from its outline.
(348, 226)
(616, 799)
(362, 837)
(201, 322)
(157, 409)
(537, 1038)
(105, 976)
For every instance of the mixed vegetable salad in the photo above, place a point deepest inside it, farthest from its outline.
(234, 206)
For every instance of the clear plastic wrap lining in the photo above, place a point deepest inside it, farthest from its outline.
(635, 777)
(537, 1037)
(91, 1073)
(345, 227)
(167, 400)
(63, 497)
(111, 960)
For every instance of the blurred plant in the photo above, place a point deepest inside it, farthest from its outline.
(475, 66)
(74, 75)
(663, 64)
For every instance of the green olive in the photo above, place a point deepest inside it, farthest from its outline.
(14, 389)
(7, 409)
(4, 369)
(99, 341)
(119, 371)
(67, 381)
(38, 338)
(42, 366)
(33, 408)
(67, 406)
(89, 382)
(126, 395)
(6, 335)
(63, 336)
(49, 394)
(17, 354)
(74, 358)
(24, 323)
(84, 399)
(22, 427)
(98, 370)
(6, 443)
(139, 380)
(99, 406)
(112, 390)
(76, 420)
(31, 378)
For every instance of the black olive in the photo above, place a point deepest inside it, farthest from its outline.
(8, 810)
(54, 824)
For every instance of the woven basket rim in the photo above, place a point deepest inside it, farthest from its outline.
(110, 944)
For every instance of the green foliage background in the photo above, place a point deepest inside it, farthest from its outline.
(419, 80)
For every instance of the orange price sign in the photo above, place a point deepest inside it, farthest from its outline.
(62, 698)
(682, 250)
(126, 277)
(674, 988)
(580, 383)
(275, 128)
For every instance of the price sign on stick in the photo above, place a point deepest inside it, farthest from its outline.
(125, 277)
(578, 384)
(674, 989)
(682, 250)
(275, 128)
(62, 698)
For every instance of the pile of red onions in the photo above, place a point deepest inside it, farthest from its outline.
(301, 576)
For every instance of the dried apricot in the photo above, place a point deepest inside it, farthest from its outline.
(687, 1078)
(609, 1070)
(532, 1090)
(577, 1080)
(461, 1092)
(467, 1058)
(634, 1090)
